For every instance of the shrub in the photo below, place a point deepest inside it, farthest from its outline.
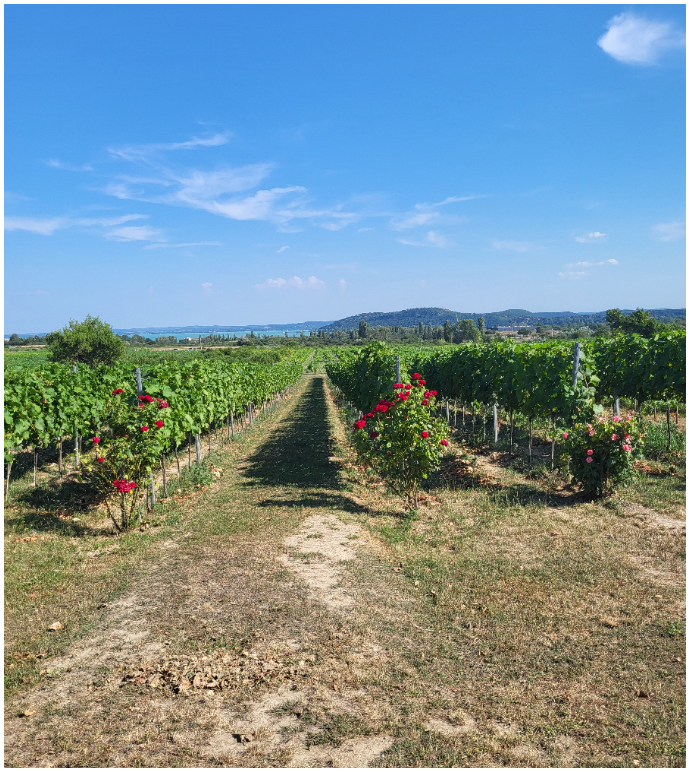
(602, 453)
(132, 445)
(400, 440)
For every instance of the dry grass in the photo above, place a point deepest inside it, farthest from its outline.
(504, 623)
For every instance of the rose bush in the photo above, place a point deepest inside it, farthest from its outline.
(128, 451)
(401, 440)
(602, 453)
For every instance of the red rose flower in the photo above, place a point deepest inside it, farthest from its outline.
(146, 398)
(100, 460)
(425, 402)
(416, 375)
(425, 434)
(397, 385)
(118, 391)
(374, 435)
(422, 383)
(163, 404)
(144, 428)
(360, 424)
(444, 442)
(159, 424)
(96, 440)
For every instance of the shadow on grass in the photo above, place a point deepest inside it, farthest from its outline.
(457, 473)
(41, 508)
(298, 456)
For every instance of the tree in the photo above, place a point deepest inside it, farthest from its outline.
(363, 328)
(640, 322)
(466, 331)
(91, 342)
(447, 334)
(420, 329)
(481, 325)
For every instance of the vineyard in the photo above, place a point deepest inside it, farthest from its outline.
(536, 379)
(444, 604)
(46, 405)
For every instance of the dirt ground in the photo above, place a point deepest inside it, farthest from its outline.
(298, 618)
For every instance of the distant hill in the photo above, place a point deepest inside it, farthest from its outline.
(513, 316)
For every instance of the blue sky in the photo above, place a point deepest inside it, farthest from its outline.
(170, 165)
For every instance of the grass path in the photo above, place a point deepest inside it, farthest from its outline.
(291, 615)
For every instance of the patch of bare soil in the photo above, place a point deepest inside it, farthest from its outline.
(316, 554)
(649, 517)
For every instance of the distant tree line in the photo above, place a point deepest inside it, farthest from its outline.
(94, 342)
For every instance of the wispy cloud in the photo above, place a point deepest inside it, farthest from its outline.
(282, 249)
(206, 286)
(585, 264)
(592, 238)
(48, 226)
(185, 244)
(294, 283)
(342, 284)
(515, 246)
(135, 233)
(669, 231)
(42, 226)
(144, 152)
(55, 164)
(572, 274)
(425, 213)
(632, 39)
(432, 239)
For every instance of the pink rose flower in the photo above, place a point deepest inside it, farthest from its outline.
(590, 452)
(565, 435)
(589, 459)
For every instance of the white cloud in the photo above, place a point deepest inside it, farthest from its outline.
(514, 246)
(437, 239)
(572, 274)
(109, 222)
(186, 244)
(585, 264)
(295, 283)
(55, 164)
(143, 152)
(48, 226)
(424, 214)
(363, 230)
(135, 233)
(592, 238)
(342, 284)
(207, 286)
(282, 249)
(432, 239)
(632, 39)
(669, 231)
(45, 227)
